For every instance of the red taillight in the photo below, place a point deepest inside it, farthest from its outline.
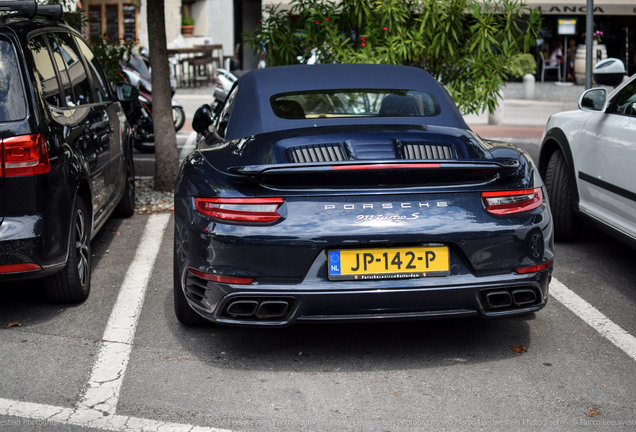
(240, 209)
(222, 279)
(534, 269)
(508, 202)
(19, 268)
(25, 155)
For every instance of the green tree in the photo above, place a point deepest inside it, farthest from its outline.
(470, 46)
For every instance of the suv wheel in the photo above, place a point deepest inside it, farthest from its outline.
(126, 206)
(73, 283)
(560, 186)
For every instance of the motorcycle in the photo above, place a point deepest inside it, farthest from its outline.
(137, 74)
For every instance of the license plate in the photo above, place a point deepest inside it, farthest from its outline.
(388, 263)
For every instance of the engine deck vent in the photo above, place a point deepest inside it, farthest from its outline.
(317, 153)
(426, 151)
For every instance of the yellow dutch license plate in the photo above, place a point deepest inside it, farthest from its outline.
(388, 263)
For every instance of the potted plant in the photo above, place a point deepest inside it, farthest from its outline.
(187, 26)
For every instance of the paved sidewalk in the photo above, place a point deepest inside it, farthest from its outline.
(524, 118)
(520, 118)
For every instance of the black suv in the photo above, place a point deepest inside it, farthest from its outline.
(65, 148)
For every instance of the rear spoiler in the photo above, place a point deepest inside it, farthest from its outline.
(389, 173)
(373, 166)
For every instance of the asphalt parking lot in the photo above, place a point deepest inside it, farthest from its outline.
(120, 361)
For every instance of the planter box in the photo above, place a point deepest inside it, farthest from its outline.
(187, 30)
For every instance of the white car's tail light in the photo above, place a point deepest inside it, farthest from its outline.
(240, 209)
(510, 202)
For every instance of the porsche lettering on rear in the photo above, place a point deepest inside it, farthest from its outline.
(387, 206)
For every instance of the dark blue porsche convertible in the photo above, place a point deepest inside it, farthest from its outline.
(349, 193)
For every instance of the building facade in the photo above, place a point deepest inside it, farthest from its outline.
(224, 22)
(614, 25)
(215, 22)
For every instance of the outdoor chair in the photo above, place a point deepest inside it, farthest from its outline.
(545, 66)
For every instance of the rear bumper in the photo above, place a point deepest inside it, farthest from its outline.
(24, 240)
(260, 306)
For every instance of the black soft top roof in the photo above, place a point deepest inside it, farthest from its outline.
(252, 113)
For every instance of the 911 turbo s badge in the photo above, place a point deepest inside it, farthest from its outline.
(366, 217)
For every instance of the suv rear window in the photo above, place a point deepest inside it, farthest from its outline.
(12, 99)
(354, 103)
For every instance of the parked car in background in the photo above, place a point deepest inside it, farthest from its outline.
(587, 159)
(224, 82)
(66, 152)
(340, 192)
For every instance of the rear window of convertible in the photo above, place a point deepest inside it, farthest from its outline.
(354, 103)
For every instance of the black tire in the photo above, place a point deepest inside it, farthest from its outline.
(179, 117)
(144, 147)
(561, 194)
(126, 206)
(182, 309)
(73, 283)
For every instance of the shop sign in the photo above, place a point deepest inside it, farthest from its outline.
(581, 9)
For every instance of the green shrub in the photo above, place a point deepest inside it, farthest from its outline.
(470, 46)
(522, 64)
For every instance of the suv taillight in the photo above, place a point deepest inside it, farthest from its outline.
(24, 155)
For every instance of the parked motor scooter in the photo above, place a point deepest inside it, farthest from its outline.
(137, 74)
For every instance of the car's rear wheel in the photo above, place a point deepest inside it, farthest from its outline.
(561, 193)
(182, 309)
(73, 283)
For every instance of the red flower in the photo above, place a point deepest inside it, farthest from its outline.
(363, 43)
(326, 18)
(317, 22)
(385, 29)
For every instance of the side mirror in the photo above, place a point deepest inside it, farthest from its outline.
(202, 119)
(593, 99)
(126, 92)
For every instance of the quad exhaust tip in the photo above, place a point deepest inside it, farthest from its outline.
(509, 298)
(263, 309)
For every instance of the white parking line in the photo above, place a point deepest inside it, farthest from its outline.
(39, 416)
(592, 316)
(102, 390)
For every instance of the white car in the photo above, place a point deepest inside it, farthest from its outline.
(224, 82)
(588, 162)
